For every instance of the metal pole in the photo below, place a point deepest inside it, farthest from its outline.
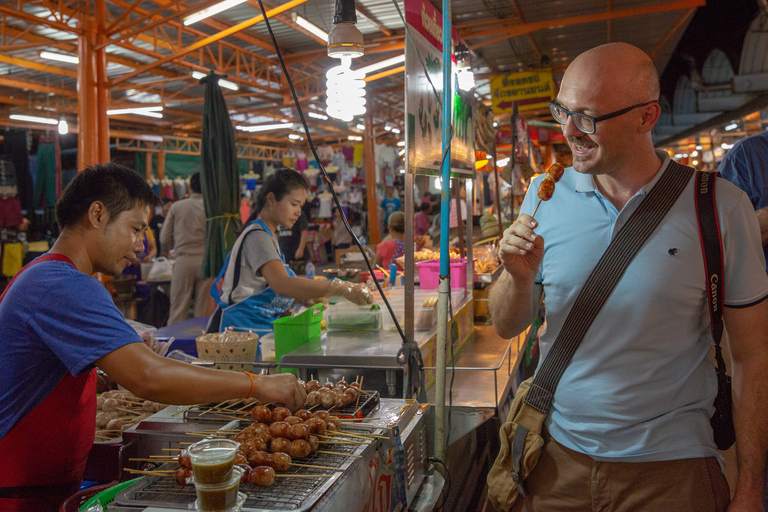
(444, 291)
(374, 237)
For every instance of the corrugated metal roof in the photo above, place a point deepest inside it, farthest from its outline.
(557, 44)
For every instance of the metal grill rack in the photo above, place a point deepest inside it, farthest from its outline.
(209, 413)
(296, 494)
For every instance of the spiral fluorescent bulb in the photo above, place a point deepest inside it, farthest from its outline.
(345, 90)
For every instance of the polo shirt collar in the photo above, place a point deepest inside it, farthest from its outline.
(586, 182)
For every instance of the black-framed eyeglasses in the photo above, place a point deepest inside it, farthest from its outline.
(583, 122)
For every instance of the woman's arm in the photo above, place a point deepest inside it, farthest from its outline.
(302, 288)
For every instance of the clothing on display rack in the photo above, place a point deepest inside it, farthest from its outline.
(46, 171)
(155, 184)
(349, 154)
(166, 185)
(357, 155)
(180, 187)
(326, 200)
(325, 153)
(16, 148)
(301, 161)
(251, 180)
(289, 159)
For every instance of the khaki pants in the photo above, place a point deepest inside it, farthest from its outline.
(565, 480)
(187, 281)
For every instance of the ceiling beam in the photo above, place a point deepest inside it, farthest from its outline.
(507, 32)
(32, 86)
(37, 66)
(522, 20)
(664, 40)
(288, 22)
(208, 40)
(15, 101)
(36, 20)
(372, 19)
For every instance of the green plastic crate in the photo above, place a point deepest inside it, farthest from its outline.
(291, 332)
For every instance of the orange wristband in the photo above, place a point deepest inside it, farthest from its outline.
(251, 375)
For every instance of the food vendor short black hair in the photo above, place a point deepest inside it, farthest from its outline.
(119, 188)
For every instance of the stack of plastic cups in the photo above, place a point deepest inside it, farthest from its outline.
(217, 479)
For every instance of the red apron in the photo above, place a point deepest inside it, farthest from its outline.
(43, 457)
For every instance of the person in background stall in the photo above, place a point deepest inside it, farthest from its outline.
(746, 166)
(156, 223)
(59, 324)
(422, 222)
(388, 251)
(255, 286)
(341, 237)
(184, 231)
(391, 203)
(629, 428)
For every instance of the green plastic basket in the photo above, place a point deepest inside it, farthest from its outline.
(291, 332)
(107, 496)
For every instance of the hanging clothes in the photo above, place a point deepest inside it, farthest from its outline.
(357, 155)
(16, 149)
(45, 182)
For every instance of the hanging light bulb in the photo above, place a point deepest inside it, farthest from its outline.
(465, 76)
(63, 127)
(345, 91)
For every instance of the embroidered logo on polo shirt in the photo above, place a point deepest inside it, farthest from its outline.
(672, 251)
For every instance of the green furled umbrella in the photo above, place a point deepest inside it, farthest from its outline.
(220, 179)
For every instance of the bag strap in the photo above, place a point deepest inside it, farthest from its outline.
(712, 249)
(603, 280)
(238, 262)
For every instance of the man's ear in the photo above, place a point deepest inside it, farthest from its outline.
(97, 216)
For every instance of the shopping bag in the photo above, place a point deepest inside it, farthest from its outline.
(519, 435)
(161, 270)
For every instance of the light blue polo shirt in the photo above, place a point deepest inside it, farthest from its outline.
(641, 384)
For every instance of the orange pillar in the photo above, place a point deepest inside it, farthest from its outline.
(370, 181)
(148, 164)
(161, 165)
(93, 125)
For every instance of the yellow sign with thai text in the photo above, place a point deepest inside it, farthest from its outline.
(531, 90)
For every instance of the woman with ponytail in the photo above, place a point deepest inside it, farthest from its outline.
(255, 286)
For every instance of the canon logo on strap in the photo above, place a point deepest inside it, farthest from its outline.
(705, 179)
(714, 282)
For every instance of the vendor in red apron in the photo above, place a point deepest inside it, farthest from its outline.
(255, 287)
(59, 324)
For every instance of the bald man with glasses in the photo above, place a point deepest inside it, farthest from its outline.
(629, 426)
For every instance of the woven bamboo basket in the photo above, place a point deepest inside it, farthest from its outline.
(229, 346)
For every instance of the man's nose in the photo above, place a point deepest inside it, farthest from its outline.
(138, 244)
(570, 130)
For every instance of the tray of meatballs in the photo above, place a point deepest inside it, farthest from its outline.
(287, 461)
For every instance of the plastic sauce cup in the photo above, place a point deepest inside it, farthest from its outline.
(219, 497)
(212, 460)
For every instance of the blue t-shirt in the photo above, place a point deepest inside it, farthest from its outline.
(641, 385)
(390, 206)
(746, 166)
(54, 319)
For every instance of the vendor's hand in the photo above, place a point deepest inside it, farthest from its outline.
(281, 388)
(299, 254)
(359, 294)
(520, 249)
